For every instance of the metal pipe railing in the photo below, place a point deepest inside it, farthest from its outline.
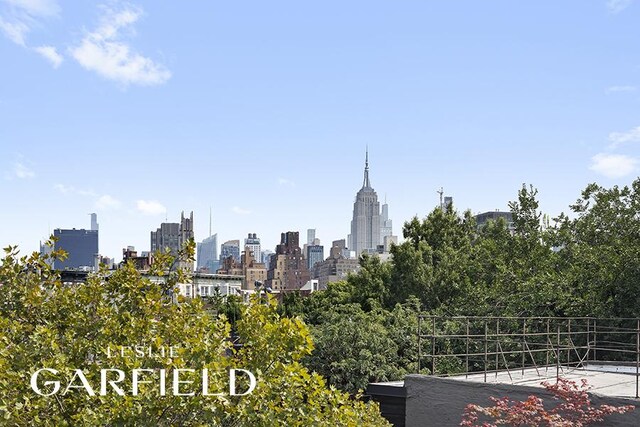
(474, 344)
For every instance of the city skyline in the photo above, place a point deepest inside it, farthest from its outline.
(264, 112)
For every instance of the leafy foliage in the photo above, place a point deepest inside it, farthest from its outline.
(600, 252)
(45, 323)
(431, 264)
(356, 340)
(575, 409)
(354, 347)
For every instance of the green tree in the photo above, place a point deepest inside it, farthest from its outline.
(45, 323)
(288, 393)
(370, 286)
(599, 252)
(354, 347)
(526, 217)
(532, 255)
(356, 340)
(432, 263)
(315, 306)
(292, 304)
(515, 272)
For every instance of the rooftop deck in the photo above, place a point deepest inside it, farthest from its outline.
(604, 379)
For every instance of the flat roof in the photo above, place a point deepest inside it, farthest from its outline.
(390, 383)
(604, 379)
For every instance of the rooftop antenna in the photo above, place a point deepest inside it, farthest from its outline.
(209, 221)
(440, 192)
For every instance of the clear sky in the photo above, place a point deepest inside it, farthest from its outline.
(263, 110)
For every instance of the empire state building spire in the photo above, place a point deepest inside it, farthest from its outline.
(365, 183)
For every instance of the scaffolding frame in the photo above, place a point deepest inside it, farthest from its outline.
(464, 345)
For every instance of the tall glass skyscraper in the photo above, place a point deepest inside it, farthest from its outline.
(208, 254)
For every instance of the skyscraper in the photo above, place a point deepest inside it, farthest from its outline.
(208, 254)
(81, 247)
(288, 270)
(386, 225)
(166, 236)
(207, 251)
(230, 248)
(94, 222)
(315, 254)
(253, 243)
(266, 257)
(173, 235)
(365, 225)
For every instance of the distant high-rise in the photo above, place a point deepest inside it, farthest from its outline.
(253, 243)
(266, 257)
(336, 267)
(166, 236)
(288, 269)
(315, 254)
(94, 222)
(46, 250)
(339, 247)
(81, 247)
(230, 248)
(365, 225)
(386, 225)
(388, 241)
(207, 251)
(173, 235)
(311, 236)
(484, 218)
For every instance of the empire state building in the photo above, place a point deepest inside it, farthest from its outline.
(365, 225)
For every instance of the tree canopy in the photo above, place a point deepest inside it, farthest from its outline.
(47, 324)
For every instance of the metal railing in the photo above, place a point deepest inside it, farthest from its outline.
(489, 345)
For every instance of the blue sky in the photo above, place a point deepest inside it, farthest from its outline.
(262, 110)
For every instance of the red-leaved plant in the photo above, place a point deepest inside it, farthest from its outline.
(575, 409)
